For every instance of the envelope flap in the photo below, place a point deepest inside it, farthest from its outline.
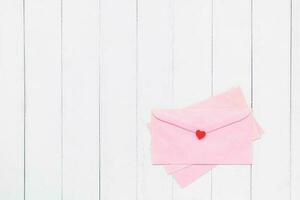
(201, 119)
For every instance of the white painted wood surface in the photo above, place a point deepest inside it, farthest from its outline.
(79, 78)
(80, 99)
(295, 101)
(118, 99)
(11, 100)
(271, 174)
(42, 64)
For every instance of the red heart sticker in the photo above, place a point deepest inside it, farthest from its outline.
(200, 134)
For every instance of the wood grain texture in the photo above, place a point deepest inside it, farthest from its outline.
(81, 94)
(118, 99)
(231, 67)
(43, 100)
(271, 79)
(11, 100)
(192, 71)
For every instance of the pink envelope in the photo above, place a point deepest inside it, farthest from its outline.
(191, 141)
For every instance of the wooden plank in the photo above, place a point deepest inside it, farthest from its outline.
(192, 71)
(81, 52)
(271, 78)
(43, 100)
(11, 101)
(118, 99)
(155, 89)
(232, 67)
(295, 105)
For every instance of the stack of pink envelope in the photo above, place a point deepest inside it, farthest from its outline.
(191, 141)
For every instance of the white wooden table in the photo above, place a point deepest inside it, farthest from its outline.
(78, 79)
